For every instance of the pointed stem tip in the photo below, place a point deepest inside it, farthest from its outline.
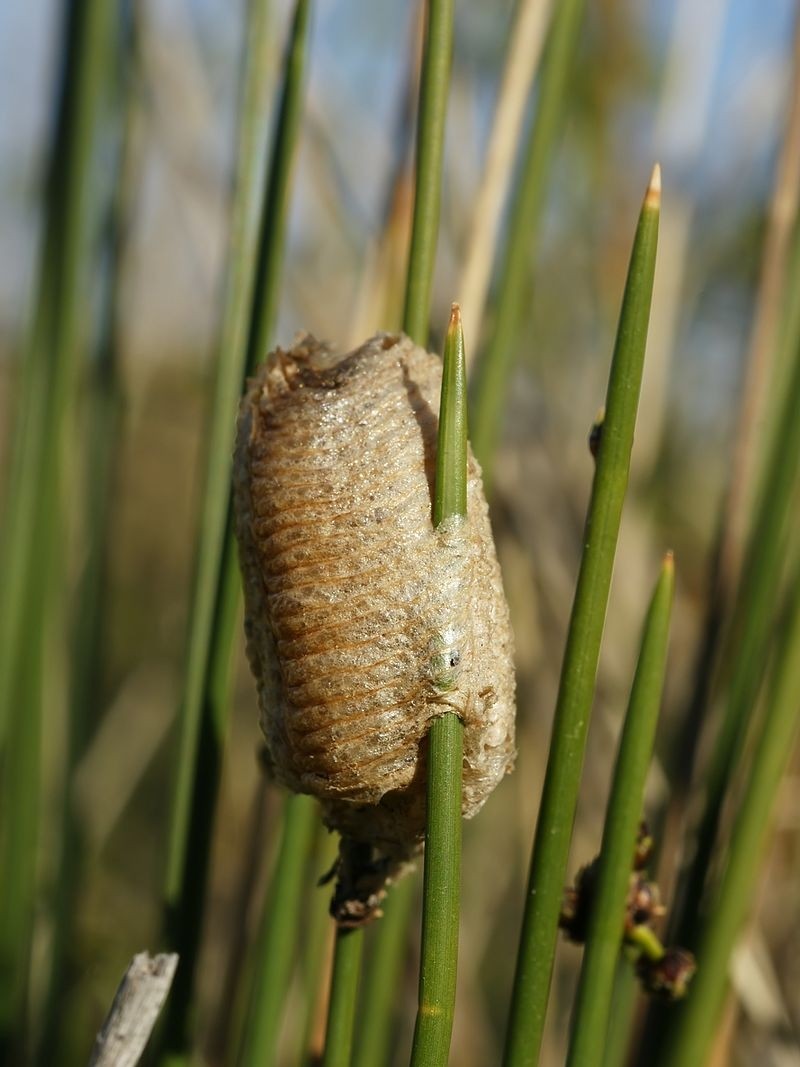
(669, 560)
(450, 497)
(652, 197)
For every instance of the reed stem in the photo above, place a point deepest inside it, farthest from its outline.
(344, 994)
(277, 936)
(440, 895)
(607, 921)
(442, 883)
(434, 87)
(579, 669)
(385, 962)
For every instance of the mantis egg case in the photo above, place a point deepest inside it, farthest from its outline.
(364, 622)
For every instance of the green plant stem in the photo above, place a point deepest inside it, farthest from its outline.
(440, 895)
(623, 996)
(385, 961)
(450, 490)
(430, 148)
(689, 1040)
(579, 669)
(494, 368)
(251, 305)
(748, 643)
(443, 829)
(314, 978)
(272, 238)
(280, 923)
(442, 881)
(33, 603)
(344, 994)
(259, 852)
(434, 86)
(607, 921)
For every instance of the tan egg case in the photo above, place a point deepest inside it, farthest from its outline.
(364, 622)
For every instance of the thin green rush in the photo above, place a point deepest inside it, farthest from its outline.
(590, 1020)
(442, 873)
(313, 977)
(445, 738)
(623, 998)
(434, 86)
(385, 962)
(277, 935)
(344, 995)
(576, 687)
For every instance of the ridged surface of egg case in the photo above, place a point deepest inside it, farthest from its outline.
(364, 622)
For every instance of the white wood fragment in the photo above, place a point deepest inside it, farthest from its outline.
(133, 1013)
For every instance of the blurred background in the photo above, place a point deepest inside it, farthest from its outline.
(705, 88)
